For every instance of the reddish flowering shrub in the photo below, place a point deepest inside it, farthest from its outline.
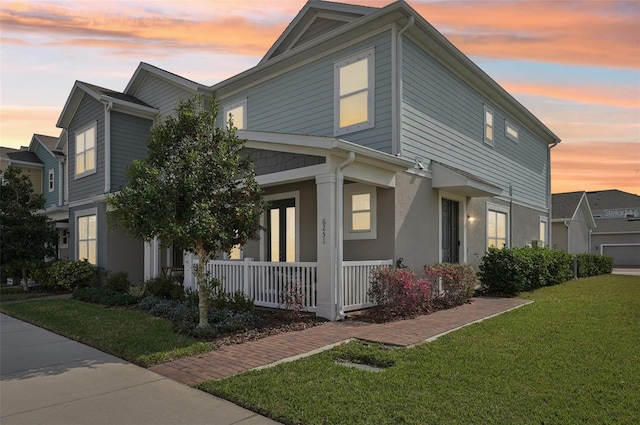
(400, 290)
(452, 284)
(293, 298)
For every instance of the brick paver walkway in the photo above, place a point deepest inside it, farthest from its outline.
(271, 350)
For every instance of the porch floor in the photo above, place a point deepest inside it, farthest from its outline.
(289, 346)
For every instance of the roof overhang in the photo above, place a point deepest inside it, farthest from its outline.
(461, 183)
(145, 69)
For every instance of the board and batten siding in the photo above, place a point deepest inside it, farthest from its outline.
(161, 94)
(129, 135)
(301, 100)
(443, 120)
(50, 163)
(89, 111)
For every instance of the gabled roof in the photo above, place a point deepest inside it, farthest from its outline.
(565, 206)
(286, 53)
(314, 19)
(144, 70)
(49, 143)
(101, 94)
(20, 156)
(612, 198)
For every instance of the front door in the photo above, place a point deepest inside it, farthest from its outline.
(450, 231)
(281, 231)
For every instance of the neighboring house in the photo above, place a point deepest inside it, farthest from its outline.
(374, 139)
(572, 222)
(53, 179)
(26, 161)
(617, 215)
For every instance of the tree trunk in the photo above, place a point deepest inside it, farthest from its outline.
(203, 298)
(25, 282)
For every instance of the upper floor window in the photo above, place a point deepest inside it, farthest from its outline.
(497, 226)
(86, 151)
(511, 131)
(51, 180)
(488, 125)
(359, 211)
(354, 93)
(236, 113)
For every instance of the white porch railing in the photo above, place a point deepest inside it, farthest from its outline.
(265, 281)
(356, 277)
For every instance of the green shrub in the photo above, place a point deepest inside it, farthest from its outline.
(222, 300)
(104, 296)
(118, 282)
(41, 273)
(163, 287)
(452, 284)
(70, 275)
(513, 270)
(594, 265)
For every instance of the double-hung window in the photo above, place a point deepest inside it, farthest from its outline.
(488, 125)
(87, 227)
(354, 93)
(497, 226)
(511, 131)
(51, 180)
(86, 151)
(359, 211)
(236, 114)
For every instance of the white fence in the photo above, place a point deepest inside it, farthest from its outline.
(356, 277)
(265, 282)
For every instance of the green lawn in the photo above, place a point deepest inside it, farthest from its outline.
(131, 335)
(571, 357)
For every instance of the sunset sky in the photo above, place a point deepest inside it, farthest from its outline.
(574, 64)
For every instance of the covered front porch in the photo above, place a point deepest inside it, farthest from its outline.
(329, 222)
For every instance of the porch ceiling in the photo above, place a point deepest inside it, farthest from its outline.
(461, 182)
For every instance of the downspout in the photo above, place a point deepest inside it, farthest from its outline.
(107, 146)
(60, 181)
(400, 88)
(340, 231)
(510, 215)
(567, 223)
(549, 203)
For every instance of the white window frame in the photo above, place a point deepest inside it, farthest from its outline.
(488, 110)
(368, 55)
(500, 209)
(76, 217)
(358, 189)
(93, 126)
(52, 179)
(509, 125)
(544, 219)
(237, 104)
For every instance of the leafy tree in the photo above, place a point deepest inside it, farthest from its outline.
(195, 189)
(26, 237)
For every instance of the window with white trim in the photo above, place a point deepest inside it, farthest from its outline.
(236, 253)
(86, 151)
(543, 230)
(497, 226)
(488, 125)
(236, 113)
(354, 93)
(87, 226)
(359, 211)
(511, 131)
(51, 180)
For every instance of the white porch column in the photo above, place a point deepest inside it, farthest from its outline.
(189, 278)
(326, 275)
(151, 259)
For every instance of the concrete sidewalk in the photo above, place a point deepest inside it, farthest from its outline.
(48, 379)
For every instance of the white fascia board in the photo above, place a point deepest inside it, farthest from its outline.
(131, 108)
(374, 157)
(144, 69)
(70, 106)
(317, 142)
(291, 176)
(24, 163)
(35, 141)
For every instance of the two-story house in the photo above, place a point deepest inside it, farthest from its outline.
(373, 136)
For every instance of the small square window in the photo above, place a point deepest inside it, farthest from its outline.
(359, 211)
(511, 131)
(236, 113)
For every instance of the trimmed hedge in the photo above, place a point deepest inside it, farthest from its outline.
(594, 265)
(510, 271)
(104, 296)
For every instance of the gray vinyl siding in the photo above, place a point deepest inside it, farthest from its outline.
(89, 111)
(50, 162)
(129, 135)
(162, 95)
(301, 100)
(443, 120)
